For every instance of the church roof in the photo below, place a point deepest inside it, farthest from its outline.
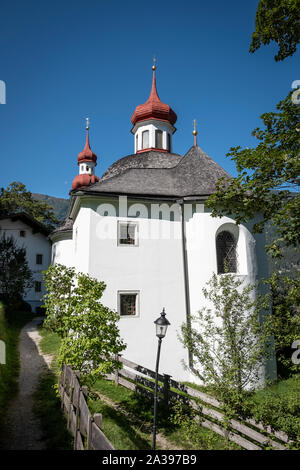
(153, 108)
(65, 226)
(195, 174)
(150, 159)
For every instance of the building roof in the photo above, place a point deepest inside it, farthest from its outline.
(153, 108)
(87, 155)
(27, 219)
(65, 226)
(150, 159)
(154, 174)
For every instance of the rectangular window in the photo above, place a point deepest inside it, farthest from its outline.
(128, 233)
(145, 139)
(158, 139)
(169, 142)
(38, 286)
(128, 303)
(39, 259)
(22, 233)
(136, 143)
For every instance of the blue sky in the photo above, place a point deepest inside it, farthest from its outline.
(65, 60)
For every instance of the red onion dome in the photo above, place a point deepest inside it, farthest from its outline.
(87, 155)
(83, 180)
(153, 108)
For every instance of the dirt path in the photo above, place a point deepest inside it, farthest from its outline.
(23, 429)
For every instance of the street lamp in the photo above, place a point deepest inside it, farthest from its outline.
(161, 329)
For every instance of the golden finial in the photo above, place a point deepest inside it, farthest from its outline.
(195, 130)
(154, 63)
(195, 133)
(87, 125)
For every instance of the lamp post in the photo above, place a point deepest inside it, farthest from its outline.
(161, 328)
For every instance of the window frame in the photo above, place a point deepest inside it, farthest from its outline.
(37, 258)
(136, 240)
(146, 132)
(137, 302)
(157, 133)
(39, 283)
(218, 250)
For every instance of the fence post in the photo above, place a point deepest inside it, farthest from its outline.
(89, 433)
(98, 420)
(166, 388)
(117, 371)
(63, 373)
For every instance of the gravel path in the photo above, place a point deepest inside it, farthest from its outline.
(23, 429)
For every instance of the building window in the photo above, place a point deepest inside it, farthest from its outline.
(128, 233)
(22, 233)
(158, 139)
(168, 142)
(39, 259)
(226, 253)
(136, 142)
(145, 139)
(128, 304)
(38, 286)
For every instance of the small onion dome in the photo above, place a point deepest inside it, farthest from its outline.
(153, 108)
(83, 180)
(87, 155)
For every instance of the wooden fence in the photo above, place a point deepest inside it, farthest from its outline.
(85, 428)
(248, 434)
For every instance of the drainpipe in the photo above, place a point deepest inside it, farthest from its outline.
(186, 278)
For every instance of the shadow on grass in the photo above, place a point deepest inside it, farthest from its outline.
(47, 408)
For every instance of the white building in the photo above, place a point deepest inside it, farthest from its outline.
(33, 236)
(143, 228)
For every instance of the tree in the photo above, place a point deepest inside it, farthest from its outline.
(268, 179)
(89, 331)
(279, 21)
(228, 340)
(15, 275)
(15, 198)
(285, 319)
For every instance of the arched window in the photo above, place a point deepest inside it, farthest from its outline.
(226, 253)
(136, 142)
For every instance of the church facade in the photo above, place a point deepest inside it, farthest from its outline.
(144, 229)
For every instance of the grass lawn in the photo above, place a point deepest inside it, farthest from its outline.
(9, 372)
(46, 401)
(128, 416)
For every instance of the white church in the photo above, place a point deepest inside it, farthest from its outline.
(144, 229)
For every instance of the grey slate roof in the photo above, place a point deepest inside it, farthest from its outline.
(153, 174)
(143, 160)
(65, 226)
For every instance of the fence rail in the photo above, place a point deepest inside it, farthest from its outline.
(248, 434)
(85, 428)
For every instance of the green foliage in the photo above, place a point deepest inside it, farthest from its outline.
(228, 342)
(279, 21)
(267, 184)
(285, 319)
(89, 331)
(15, 198)
(15, 275)
(278, 406)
